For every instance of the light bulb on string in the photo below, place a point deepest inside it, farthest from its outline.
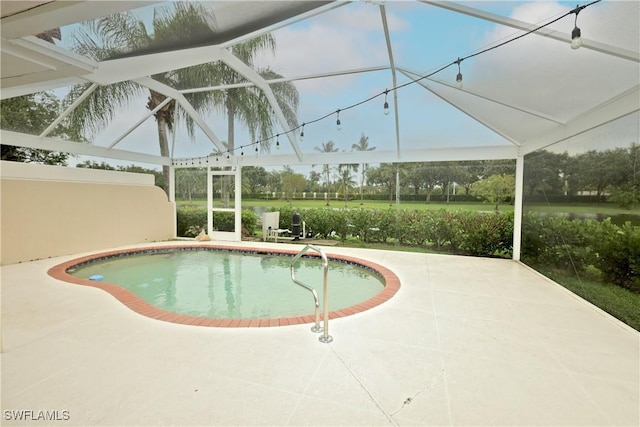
(256, 150)
(576, 34)
(338, 123)
(386, 104)
(459, 76)
(302, 133)
(278, 140)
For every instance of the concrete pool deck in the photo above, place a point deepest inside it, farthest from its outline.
(465, 341)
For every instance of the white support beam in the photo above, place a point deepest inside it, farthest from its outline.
(525, 26)
(31, 63)
(622, 105)
(517, 207)
(289, 79)
(68, 110)
(139, 122)
(387, 37)
(28, 87)
(468, 153)
(61, 13)
(33, 46)
(148, 82)
(252, 75)
(119, 70)
(33, 141)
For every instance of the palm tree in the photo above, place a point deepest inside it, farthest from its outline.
(183, 24)
(250, 104)
(362, 145)
(327, 147)
(346, 179)
(120, 34)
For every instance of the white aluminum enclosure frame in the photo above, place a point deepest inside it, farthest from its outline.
(58, 67)
(236, 235)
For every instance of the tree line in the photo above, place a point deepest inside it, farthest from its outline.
(610, 175)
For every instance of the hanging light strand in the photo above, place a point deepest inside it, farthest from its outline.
(575, 40)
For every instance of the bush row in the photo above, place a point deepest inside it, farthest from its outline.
(470, 233)
(584, 245)
(356, 196)
(190, 220)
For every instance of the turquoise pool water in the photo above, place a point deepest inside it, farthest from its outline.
(221, 284)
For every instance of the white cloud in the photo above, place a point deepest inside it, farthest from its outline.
(346, 38)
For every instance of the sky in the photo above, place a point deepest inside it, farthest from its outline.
(424, 38)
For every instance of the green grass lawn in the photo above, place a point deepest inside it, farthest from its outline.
(595, 208)
(371, 204)
(619, 302)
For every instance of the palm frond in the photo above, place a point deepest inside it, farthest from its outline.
(101, 106)
(248, 50)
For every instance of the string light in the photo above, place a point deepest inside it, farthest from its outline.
(459, 76)
(576, 42)
(386, 104)
(576, 36)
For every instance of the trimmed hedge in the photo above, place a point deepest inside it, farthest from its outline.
(582, 246)
(188, 217)
(460, 232)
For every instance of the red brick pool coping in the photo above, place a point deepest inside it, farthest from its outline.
(137, 304)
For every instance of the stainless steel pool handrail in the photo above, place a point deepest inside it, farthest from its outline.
(325, 338)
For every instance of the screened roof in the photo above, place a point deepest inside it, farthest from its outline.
(524, 94)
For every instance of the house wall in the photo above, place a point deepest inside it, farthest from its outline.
(49, 211)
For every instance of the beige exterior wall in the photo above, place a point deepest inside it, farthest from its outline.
(51, 211)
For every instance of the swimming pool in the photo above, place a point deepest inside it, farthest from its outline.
(229, 286)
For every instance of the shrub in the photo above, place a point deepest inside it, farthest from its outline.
(471, 233)
(190, 219)
(485, 234)
(584, 245)
(619, 256)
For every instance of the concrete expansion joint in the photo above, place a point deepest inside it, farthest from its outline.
(355, 377)
(413, 397)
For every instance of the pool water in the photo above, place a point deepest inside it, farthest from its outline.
(220, 284)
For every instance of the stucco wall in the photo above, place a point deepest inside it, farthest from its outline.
(51, 211)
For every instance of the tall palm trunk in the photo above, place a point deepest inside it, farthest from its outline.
(164, 119)
(364, 169)
(164, 151)
(327, 172)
